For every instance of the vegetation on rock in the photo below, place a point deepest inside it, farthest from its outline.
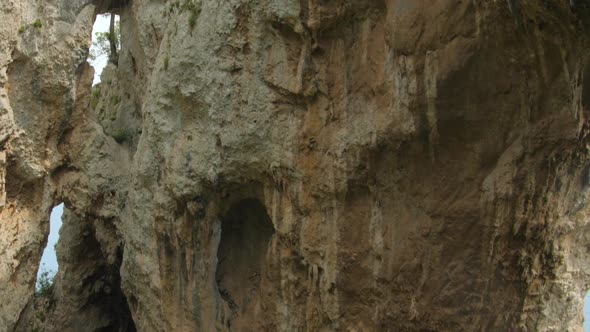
(37, 24)
(121, 135)
(44, 287)
(107, 44)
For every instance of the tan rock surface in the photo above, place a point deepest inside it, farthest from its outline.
(279, 165)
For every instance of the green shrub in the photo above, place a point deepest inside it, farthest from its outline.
(95, 98)
(44, 287)
(115, 100)
(166, 62)
(121, 135)
(21, 29)
(41, 316)
(192, 20)
(96, 91)
(37, 24)
(194, 11)
(187, 5)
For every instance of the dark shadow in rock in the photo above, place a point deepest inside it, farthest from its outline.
(246, 230)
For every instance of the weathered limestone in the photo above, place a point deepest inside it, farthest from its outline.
(299, 165)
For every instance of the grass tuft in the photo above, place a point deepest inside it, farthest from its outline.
(37, 24)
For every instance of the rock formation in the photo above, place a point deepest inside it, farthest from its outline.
(282, 165)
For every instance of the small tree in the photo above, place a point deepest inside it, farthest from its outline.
(45, 283)
(107, 43)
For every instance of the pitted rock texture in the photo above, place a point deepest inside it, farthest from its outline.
(281, 165)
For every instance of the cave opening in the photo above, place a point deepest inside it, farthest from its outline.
(246, 230)
(84, 291)
(91, 278)
(112, 300)
(48, 266)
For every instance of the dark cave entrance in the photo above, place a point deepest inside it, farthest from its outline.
(91, 280)
(92, 277)
(111, 298)
(246, 230)
(86, 293)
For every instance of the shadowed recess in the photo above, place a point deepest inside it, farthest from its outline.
(245, 233)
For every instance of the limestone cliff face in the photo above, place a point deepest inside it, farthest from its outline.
(281, 165)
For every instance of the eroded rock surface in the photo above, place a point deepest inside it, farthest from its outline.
(367, 165)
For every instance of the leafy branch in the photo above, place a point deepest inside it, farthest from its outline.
(107, 44)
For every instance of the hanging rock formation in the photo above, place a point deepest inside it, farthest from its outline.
(282, 165)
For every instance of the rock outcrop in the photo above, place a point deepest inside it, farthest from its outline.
(345, 165)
